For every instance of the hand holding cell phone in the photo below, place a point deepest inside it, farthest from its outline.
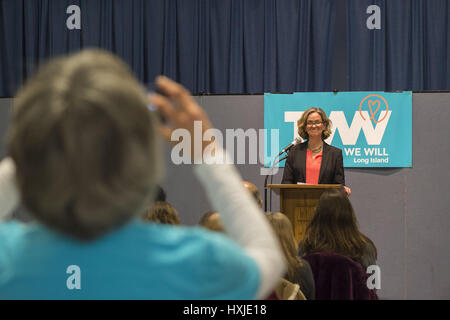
(180, 110)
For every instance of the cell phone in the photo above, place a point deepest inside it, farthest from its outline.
(151, 89)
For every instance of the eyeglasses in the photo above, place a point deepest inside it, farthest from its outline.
(311, 123)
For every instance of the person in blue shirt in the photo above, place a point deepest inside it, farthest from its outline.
(84, 158)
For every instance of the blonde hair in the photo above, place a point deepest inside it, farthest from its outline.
(283, 229)
(301, 123)
(84, 144)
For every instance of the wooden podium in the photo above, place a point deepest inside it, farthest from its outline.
(298, 202)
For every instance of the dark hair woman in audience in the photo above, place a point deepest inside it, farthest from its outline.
(299, 271)
(334, 229)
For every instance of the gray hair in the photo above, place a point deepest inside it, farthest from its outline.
(85, 145)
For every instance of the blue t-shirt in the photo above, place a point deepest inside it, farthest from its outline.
(138, 261)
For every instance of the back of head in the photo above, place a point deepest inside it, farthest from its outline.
(283, 229)
(334, 227)
(253, 191)
(84, 144)
(163, 212)
(211, 221)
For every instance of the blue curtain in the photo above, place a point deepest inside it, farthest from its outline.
(211, 46)
(411, 51)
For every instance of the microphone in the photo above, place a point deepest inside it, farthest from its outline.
(289, 147)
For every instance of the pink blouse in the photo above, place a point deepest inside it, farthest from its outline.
(313, 167)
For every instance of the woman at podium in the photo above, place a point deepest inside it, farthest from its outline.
(314, 161)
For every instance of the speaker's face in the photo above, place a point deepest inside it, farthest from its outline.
(314, 125)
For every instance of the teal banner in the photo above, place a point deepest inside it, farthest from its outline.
(373, 129)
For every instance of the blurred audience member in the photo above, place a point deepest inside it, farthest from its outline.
(298, 272)
(211, 221)
(87, 164)
(162, 212)
(254, 192)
